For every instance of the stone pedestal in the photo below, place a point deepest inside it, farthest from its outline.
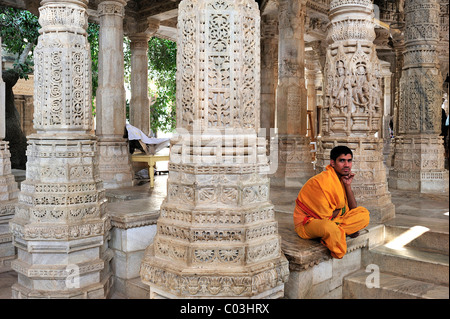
(133, 229)
(8, 201)
(294, 161)
(114, 160)
(352, 113)
(217, 236)
(418, 161)
(60, 227)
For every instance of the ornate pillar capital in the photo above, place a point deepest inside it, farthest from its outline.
(112, 7)
(140, 28)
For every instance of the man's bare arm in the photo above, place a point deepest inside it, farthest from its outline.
(347, 181)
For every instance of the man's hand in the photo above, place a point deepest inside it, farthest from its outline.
(347, 179)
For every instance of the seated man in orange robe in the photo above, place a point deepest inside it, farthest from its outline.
(326, 207)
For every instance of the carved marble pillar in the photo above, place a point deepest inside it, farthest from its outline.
(114, 163)
(397, 35)
(442, 46)
(312, 68)
(8, 188)
(419, 151)
(269, 71)
(216, 235)
(386, 77)
(294, 163)
(139, 34)
(60, 227)
(140, 102)
(353, 111)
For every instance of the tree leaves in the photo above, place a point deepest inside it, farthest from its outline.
(162, 65)
(19, 33)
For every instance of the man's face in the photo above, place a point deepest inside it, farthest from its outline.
(342, 165)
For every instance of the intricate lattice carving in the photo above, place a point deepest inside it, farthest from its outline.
(217, 223)
(225, 92)
(62, 200)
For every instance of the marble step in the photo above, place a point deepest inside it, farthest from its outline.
(360, 286)
(136, 289)
(419, 232)
(410, 262)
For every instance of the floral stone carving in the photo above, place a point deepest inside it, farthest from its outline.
(60, 227)
(217, 235)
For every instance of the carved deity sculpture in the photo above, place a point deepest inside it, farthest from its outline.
(341, 88)
(60, 227)
(352, 112)
(217, 235)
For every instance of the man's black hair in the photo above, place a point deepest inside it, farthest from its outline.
(340, 150)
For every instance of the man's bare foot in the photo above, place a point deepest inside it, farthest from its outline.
(354, 235)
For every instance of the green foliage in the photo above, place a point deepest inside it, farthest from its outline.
(93, 33)
(162, 64)
(19, 32)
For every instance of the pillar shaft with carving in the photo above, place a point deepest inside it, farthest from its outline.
(217, 235)
(269, 71)
(139, 32)
(419, 152)
(114, 163)
(140, 102)
(60, 227)
(353, 109)
(295, 162)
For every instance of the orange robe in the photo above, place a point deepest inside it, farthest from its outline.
(316, 201)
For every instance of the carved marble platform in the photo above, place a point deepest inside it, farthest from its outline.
(313, 272)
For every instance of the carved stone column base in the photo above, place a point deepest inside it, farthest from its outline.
(114, 164)
(8, 185)
(62, 261)
(7, 249)
(419, 164)
(100, 290)
(295, 165)
(60, 227)
(370, 183)
(217, 236)
(8, 200)
(259, 281)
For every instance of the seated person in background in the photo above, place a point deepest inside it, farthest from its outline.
(148, 145)
(326, 207)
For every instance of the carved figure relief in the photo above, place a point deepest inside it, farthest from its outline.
(341, 88)
(353, 91)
